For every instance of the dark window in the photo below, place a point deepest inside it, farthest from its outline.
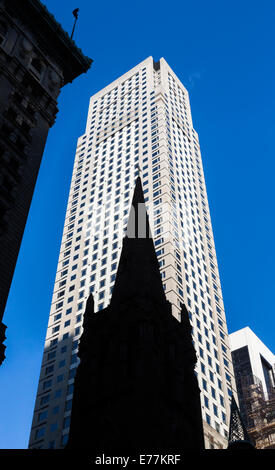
(3, 31)
(37, 65)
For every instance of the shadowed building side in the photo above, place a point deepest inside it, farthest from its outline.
(37, 58)
(135, 387)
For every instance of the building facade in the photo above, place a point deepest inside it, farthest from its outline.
(37, 58)
(254, 368)
(140, 124)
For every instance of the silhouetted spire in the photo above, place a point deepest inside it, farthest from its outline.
(135, 388)
(138, 271)
(238, 435)
(138, 223)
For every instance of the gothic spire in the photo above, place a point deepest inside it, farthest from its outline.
(138, 271)
(135, 387)
(238, 435)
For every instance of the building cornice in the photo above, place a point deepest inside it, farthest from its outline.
(52, 36)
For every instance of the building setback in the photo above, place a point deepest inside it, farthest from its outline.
(140, 124)
(37, 58)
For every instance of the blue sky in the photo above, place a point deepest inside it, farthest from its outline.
(223, 52)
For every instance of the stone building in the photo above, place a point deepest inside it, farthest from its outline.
(37, 58)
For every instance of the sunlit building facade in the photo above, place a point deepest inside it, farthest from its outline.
(140, 124)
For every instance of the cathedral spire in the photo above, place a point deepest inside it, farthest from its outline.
(238, 435)
(135, 386)
(138, 271)
(138, 223)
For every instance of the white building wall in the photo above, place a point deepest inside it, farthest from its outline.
(256, 349)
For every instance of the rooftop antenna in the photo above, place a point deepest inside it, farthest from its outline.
(75, 13)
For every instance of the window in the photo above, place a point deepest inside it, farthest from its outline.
(66, 422)
(43, 415)
(208, 419)
(204, 384)
(3, 32)
(39, 433)
(36, 66)
(45, 400)
(70, 389)
(65, 439)
(68, 405)
(47, 384)
(49, 370)
(51, 355)
(53, 427)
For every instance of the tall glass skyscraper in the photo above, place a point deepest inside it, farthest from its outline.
(140, 124)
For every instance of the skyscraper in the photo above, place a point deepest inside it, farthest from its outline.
(140, 124)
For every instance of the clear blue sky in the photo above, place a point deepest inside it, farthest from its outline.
(223, 52)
